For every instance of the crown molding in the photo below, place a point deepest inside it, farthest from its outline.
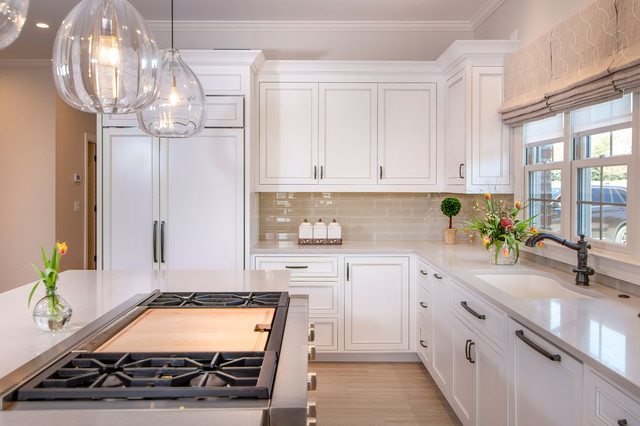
(313, 26)
(484, 13)
(25, 63)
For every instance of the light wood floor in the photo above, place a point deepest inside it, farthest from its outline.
(350, 393)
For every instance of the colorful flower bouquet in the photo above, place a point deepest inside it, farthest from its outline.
(497, 225)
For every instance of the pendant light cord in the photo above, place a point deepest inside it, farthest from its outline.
(171, 24)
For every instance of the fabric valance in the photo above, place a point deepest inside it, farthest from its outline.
(590, 58)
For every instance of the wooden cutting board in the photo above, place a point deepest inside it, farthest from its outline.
(190, 330)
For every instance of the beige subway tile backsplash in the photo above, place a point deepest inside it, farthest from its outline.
(364, 216)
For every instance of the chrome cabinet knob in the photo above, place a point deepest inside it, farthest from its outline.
(311, 352)
(312, 381)
(311, 409)
(311, 332)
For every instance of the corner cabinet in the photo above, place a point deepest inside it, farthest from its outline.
(476, 148)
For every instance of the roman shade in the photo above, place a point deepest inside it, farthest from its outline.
(590, 58)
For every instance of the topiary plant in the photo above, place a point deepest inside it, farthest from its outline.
(450, 207)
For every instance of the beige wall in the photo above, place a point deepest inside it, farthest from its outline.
(531, 18)
(27, 171)
(71, 126)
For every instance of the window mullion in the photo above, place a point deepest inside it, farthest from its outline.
(567, 221)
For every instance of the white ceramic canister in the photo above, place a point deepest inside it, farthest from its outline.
(319, 230)
(334, 230)
(305, 230)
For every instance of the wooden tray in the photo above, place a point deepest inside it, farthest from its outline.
(194, 330)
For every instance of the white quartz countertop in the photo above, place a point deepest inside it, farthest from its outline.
(604, 332)
(93, 293)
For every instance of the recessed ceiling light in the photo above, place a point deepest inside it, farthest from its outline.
(42, 25)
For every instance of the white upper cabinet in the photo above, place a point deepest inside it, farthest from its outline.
(348, 116)
(288, 133)
(407, 133)
(477, 151)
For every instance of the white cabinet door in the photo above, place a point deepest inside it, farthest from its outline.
(407, 133)
(479, 385)
(289, 133)
(201, 200)
(130, 199)
(543, 391)
(442, 345)
(457, 115)
(376, 303)
(490, 153)
(348, 116)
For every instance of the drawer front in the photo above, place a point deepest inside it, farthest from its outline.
(326, 333)
(608, 405)
(425, 275)
(323, 296)
(425, 304)
(301, 267)
(425, 337)
(222, 111)
(489, 320)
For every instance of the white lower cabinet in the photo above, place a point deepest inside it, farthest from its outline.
(442, 366)
(545, 381)
(376, 298)
(606, 404)
(479, 385)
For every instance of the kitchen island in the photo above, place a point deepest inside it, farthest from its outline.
(97, 295)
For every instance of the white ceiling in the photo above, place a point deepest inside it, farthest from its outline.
(445, 15)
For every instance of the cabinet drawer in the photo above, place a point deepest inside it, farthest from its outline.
(301, 267)
(222, 111)
(425, 304)
(425, 337)
(323, 296)
(425, 275)
(489, 320)
(608, 405)
(326, 333)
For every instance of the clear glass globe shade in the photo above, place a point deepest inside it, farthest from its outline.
(180, 109)
(13, 14)
(105, 59)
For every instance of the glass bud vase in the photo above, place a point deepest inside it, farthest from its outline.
(52, 312)
(510, 259)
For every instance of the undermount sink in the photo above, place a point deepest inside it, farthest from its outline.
(534, 285)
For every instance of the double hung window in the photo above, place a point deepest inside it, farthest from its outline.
(577, 169)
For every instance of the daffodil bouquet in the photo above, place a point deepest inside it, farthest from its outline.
(497, 224)
(49, 277)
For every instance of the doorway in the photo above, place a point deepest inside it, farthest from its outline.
(91, 161)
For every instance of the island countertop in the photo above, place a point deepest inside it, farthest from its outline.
(94, 293)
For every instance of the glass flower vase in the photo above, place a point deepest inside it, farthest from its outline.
(52, 312)
(501, 259)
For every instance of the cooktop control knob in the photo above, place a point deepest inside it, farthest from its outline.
(311, 353)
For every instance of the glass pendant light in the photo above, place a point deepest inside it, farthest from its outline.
(105, 59)
(13, 14)
(180, 109)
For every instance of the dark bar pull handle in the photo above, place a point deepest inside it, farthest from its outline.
(162, 241)
(347, 271)
(438, 277)
(622, 422)
(296, 266)
(321, 172)
(460, 170)
(423, 305)
(471, 311)
(380, 172)
(535, 347)
(471, 343)
(422, 344)
(155, 241)
(315, 172)
(466, 350)
(423, 272)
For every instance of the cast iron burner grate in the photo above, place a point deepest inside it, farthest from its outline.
(95, 376)
(212, 300)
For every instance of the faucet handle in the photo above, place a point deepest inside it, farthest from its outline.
(587, 270)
